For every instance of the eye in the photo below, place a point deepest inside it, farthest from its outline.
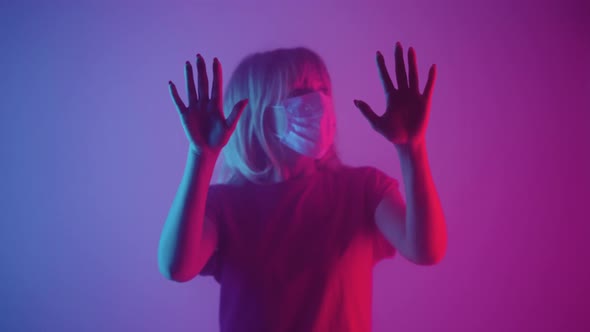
(299, 92)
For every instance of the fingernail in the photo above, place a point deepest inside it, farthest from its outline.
(187, 63)
(169, 82)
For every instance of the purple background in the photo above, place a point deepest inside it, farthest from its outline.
(93, 151)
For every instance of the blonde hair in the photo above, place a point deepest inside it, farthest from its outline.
(254, 152)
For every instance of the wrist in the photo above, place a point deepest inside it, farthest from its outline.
(208, 158)
(412, 147)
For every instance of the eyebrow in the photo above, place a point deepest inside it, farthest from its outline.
(300, 90)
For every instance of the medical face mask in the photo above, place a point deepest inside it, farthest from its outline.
(306, 123)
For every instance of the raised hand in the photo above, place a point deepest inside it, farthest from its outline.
(407, 111)
(203, 120)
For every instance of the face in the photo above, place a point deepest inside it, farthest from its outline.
(314, 118)
(304, 86)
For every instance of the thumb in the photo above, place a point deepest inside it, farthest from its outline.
(235, 115)
(367, 112)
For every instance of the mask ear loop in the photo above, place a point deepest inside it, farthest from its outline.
(282, 123)
(286, 122)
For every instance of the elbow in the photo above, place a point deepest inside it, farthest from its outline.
(167, 274)
(165, 271)
(430, 260)
(167, 268)
(173, 274)
(176, 275)
(182, 278)
(433, 255)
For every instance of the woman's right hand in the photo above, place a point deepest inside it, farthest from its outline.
(203, 120)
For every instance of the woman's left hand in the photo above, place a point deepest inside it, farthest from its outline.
(406, 115)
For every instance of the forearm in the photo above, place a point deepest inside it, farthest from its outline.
(425, 222)
(181, 234)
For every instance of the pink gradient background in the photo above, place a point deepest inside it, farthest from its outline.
(93, 151)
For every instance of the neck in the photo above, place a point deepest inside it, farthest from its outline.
(296, 166)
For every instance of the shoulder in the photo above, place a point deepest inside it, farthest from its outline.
(353, 170)
(219, 194)
(216, 190)
(366, 174)
(224, 188)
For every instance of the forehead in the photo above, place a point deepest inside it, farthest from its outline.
(307, 86)
(309, 80)
(310, 83)
(302, 71)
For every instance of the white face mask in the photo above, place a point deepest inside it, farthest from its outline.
(306, 123)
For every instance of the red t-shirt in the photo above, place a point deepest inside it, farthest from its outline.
(298, 255)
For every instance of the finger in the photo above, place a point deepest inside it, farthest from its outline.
(176, 98)
(430, 82)
(216, 92)
(400, 67)
(190, 84)
(413, 65)
(203, 80)
(384, 74)
(235, 115)
(367, 112)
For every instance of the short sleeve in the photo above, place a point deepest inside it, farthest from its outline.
(377, 185)
(212, 212)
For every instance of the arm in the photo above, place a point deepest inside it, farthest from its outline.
(418, 229)
(188, 238)
(420, 234)
(187, 241)
(426, 232)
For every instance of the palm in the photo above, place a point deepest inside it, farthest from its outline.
(404, 118)
(203, 121)
(206, 128)
(407, 110)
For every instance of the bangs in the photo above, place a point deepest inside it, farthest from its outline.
(304, 69)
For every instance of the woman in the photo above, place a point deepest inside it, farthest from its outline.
(292, 234)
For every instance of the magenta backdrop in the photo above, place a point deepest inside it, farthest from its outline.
(93, 151)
